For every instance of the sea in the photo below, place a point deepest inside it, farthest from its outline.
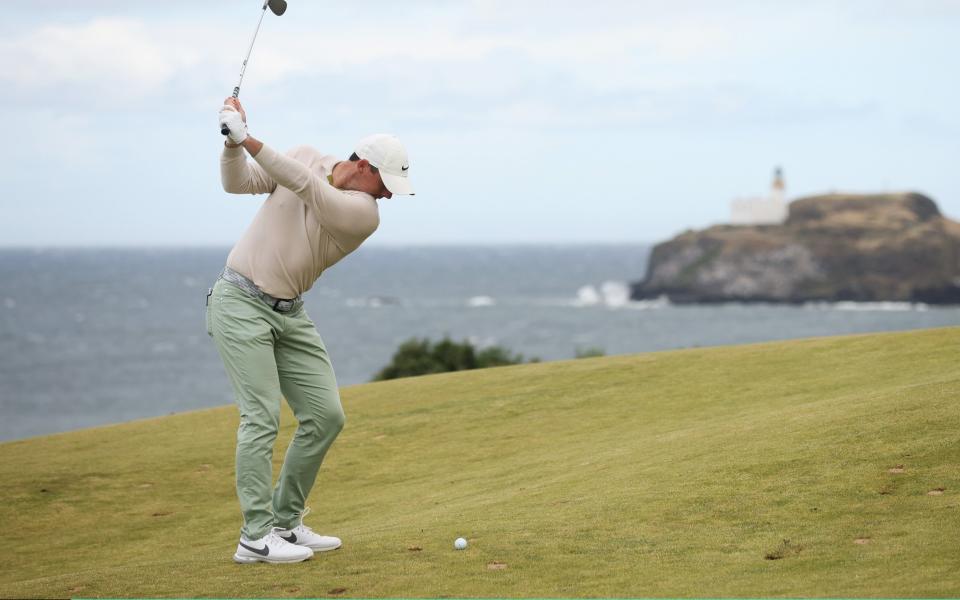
(97, 336)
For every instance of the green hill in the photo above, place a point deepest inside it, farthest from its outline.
(822, 467)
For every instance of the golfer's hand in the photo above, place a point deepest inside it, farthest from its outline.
(230, 118)
(235, 103)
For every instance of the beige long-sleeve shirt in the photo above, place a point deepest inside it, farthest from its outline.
(303, 227)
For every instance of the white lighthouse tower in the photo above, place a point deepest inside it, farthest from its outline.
(771, 210)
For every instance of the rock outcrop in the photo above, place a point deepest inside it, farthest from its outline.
(883, 247)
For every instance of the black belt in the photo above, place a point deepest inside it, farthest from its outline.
(281, 305)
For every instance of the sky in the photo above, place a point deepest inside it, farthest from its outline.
(525, 121)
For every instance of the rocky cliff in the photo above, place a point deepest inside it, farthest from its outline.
(882, 247)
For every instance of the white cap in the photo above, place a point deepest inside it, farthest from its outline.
(386, 153)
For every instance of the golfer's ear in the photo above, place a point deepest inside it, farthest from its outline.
(363, 164)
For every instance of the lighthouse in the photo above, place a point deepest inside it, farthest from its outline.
(771, 210)
(778, 189)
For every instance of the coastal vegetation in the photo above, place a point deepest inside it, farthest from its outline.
(418, 356)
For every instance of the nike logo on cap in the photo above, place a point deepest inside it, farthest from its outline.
(261, 551)
(405, 168)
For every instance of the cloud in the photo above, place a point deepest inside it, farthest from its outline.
(109, 105)
(115, 61)
(111, 56)
(474, 63)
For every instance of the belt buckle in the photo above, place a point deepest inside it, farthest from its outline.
(283, 305)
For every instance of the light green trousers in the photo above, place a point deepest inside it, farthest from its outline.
(267, 355)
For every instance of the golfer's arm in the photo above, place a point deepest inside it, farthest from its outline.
(252, 145)
(290, 173)
(240, 176)
(345, 216)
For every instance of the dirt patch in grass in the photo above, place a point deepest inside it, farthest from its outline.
(936, 491)
(897, 469)
(786, 549)
(862, 541)
(496, 565)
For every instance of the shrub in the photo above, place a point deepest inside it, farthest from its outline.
(589, 352)
(422, 357)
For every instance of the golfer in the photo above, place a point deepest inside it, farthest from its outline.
(319, 209)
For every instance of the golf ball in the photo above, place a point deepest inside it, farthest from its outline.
(460, 544)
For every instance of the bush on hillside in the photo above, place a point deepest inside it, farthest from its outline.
(590, 352)
(422, 357)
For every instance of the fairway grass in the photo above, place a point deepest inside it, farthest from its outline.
(825, 467)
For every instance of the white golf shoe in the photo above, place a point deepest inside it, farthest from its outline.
(271, 548)
(302, 535)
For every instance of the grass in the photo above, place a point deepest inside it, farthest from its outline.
(799, 468)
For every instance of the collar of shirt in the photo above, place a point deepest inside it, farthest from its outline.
(328, 164)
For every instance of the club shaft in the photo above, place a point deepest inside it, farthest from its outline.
(243, 67)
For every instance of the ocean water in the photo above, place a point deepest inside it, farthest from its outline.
(95, 336)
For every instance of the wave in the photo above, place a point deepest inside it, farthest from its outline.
(868, 306)
(373, 302)
(479, 301)
(615, 294)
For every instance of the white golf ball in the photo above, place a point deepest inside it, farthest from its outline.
(460, 544)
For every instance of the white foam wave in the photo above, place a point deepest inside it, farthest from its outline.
(615, 294)
(656, 303)
(587, 296)
(868, 306)
(372, 302)
(478, 301)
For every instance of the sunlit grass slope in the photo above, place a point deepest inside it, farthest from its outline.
(823, 467)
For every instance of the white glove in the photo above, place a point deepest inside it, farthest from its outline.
(231, 119)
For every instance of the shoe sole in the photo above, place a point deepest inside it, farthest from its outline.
(249, 560)
(325, 549)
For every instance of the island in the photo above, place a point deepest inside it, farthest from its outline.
(833, 247)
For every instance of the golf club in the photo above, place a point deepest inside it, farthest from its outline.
(277, 7)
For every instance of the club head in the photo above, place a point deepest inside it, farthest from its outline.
(278, 7)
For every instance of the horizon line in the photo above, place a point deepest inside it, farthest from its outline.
(124, 246)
